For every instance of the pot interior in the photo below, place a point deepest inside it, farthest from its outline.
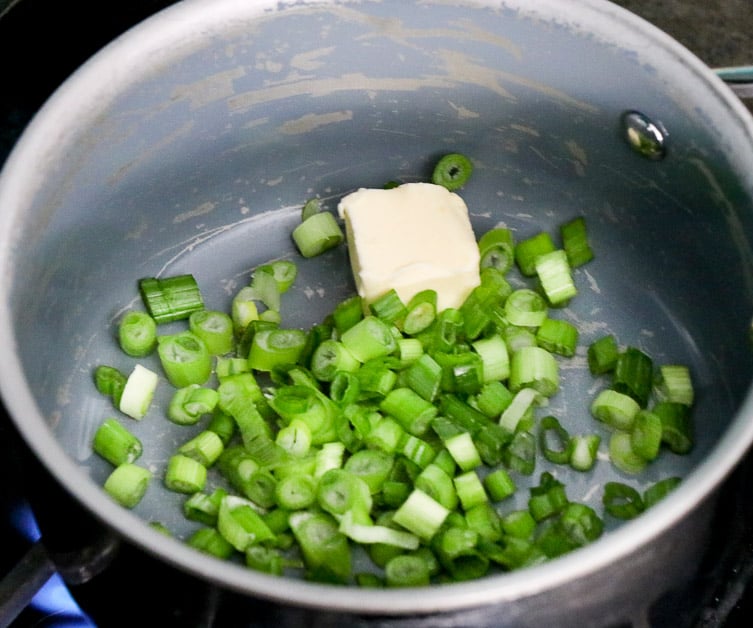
(190, 145)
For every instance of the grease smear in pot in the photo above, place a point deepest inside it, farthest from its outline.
(383, 446)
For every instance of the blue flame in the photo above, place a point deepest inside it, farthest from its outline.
(53, 600)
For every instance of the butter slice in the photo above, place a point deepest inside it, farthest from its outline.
(413, 237)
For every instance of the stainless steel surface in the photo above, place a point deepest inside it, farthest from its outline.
(187, 117)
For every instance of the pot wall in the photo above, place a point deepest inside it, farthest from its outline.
(190, 145)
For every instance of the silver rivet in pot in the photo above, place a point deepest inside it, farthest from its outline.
(645, 136)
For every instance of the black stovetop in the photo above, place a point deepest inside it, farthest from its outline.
(43, 41)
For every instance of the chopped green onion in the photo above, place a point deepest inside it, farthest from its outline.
(452, 171)
(127, 484)
(204, 448)
(201, 400)
(499, 485)
(240, 524)
(229, 365)
(223, 425)
(424, 376)
(518, 524)
(184, 358)
(493, 398)
(555, 442)
(171, 298)
(190, 403)
(558, 336)
(137, 333)
(325, 549)
(584, 450)
(518, 337)
(445, 332)
(295, 492)
(525, 308)
(602, 355)
(622, 501)
(389, 307)
(673, 383)
(204, 507)
(575, 241)
(340, 491)
(214, 328)
(421, 311)
(375, 378)
(347, 313)
(494, 357)
(622, 454)
(547, 498)
(244, 309)
(418, 451)
(616, 409)
(520, 454)
(527, 251)
(260, 488)
(462, 372)
(330, 357)
(406, 570)
(331, 447)
(534, 367)
(372, 466)
(311, 406)
(555, 276)
(634, 375)
(457, 550)
(580, 523)
(295, 438)
(421, 515)
(274, 348)
(138, 392)
(266, 289)
(386, 434)
(284, 273)
(311, 207)
(368, 339)
(437, 484)
(237, 466)
(470, 489)
(677, 426)
(320, 232)
(484, 520)
(210, 541)
(659, 490)
(408, 350)
(111, 382)
(115, 443)
(463, 451)
(265, 559)
(330, 456)
(370, 534)
(645, 436)
(497, 249)
(409, 409)
(184, 474)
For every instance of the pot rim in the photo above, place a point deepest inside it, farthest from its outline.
(178, 24)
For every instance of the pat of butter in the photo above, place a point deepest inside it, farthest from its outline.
(413, 237)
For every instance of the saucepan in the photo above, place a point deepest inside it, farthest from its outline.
(190, 144)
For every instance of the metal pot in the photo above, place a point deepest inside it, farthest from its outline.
(190, 143)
